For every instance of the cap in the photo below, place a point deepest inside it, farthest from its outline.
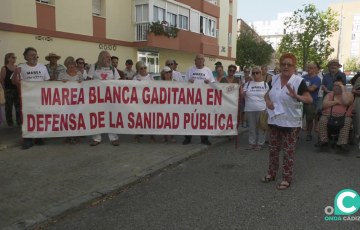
(129, 62)
(218, 63)
(166, 69)
(175, 63)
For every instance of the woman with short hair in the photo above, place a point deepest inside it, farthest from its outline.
(80, 64)
(71, 74)
(142, 75)
(284, 99)
(220, 73)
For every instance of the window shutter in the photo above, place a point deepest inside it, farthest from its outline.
(194, 21)
(96, 6)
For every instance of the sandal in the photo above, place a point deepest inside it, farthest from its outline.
(250, 147)
(95, 143)
(283, 185)
(164, 140)
(231, 137)
(305, 129)
(258, 148)
(77, 141)
(152, 140)
(316, 130)
(136, 140)
(67, 141)
(308, 138)
(267, 179)
(115, 143)
(173, 140)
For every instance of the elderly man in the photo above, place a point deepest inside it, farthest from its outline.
(328, 79)
(175, 65)
(102, 70)
(53, 67)
(214, 72)
(115, 63)
(336, 103)
(30, 71)
(129, 73)
(176, 76)
(199, 73)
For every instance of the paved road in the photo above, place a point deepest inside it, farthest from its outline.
(222, 190)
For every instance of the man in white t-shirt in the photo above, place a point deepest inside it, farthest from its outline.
(175, 74)
(102, 70)
(30, 71)
(199, 73)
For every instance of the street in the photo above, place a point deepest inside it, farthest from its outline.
(222, 190)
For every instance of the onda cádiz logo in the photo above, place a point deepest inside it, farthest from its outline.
(347, 202)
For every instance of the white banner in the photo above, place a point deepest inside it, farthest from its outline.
(57, 109)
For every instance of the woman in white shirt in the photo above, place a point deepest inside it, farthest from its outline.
(71, 74)
(142, 75)
(80, 63)
(254, 92)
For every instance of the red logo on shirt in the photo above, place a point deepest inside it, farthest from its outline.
(104, 76)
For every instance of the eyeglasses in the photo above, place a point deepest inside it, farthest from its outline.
(287, 65)
(129, 64)
(255, 73)
(231, 70)
(142, 68)
(80, 63)
(170, 64)
(13, 57)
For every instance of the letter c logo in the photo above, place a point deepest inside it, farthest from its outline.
(347, 202)
(340, 202)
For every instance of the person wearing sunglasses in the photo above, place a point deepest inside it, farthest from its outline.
(80, 64)
(129, 73)
(12, 98)
(284, 99)
(254, 92)
(176, 76)
(143, 75)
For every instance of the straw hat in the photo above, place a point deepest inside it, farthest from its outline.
(334, 61)
(47, 58)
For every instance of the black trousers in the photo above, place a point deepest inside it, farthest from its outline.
(202, 137)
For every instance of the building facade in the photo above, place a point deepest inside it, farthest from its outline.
(346, 43)
(84, 28)
(272, 31)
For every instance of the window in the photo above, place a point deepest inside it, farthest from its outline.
(171, 19)
(207, 26)
(230, 39)
(353, 37)
(194, 21)
(183, 22)
(159, 14)
(142, 13)
(96, 7)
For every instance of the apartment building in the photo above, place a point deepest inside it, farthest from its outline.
(83, 28)
(349, 39)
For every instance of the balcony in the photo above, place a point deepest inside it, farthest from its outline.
(212, 2)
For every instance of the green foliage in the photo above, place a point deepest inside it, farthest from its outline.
(251, 50)
(309, 30)
(162, 28)
(351, 64)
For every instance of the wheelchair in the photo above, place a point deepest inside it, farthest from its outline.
(333, 135)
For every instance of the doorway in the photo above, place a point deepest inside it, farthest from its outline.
(151, 60)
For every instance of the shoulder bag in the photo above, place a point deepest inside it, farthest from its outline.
(336, 123)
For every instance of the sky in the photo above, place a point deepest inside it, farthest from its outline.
(261, 10)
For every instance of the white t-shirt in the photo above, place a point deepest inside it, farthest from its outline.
(199, 75)
(84, 75)
(177, 76)
(64, 76)
(105, 73)
(255, 92)
(146, 78)
(36, 73)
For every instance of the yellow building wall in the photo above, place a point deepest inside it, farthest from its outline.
(6, 9)
(224, 27)
(74, 16)
(89, 51)
(120, 20)
(234, 28)
(23, 11)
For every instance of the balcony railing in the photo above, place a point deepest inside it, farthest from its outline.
(141, 31)
(212, 2)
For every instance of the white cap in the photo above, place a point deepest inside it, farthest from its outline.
(166, 69)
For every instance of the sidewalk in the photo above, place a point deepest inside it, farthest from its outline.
(44, 183)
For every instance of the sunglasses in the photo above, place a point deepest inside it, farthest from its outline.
(169, 72)
(170, 64)
(80, 63)
(142, 68)
(287, 65)
(255, 73)
(13, 57)
(129, 63)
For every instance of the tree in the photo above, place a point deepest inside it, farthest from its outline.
(251, 49)
(351, 64)
(308, 32)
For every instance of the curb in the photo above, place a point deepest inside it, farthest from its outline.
(10, 145)
(36, 220)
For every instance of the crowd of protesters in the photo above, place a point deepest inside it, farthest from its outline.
(284, 96)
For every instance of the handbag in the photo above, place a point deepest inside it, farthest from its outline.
(263, 122)
(336, 123)
(2, 95)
